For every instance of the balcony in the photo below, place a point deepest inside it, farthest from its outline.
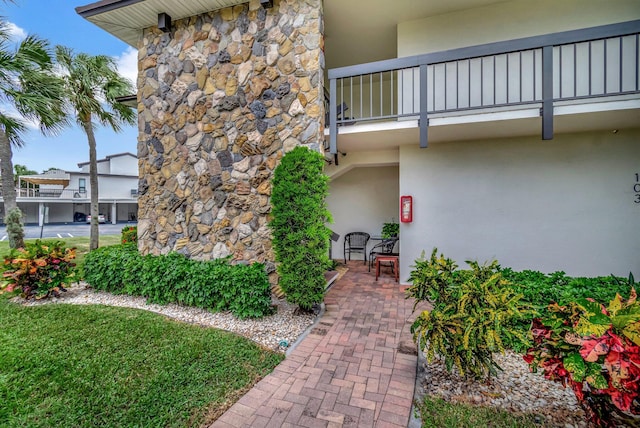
(52, 193)
(534, 79)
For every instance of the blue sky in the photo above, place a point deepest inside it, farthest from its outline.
(57, 21)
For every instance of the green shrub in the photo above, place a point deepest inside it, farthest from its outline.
(105, 268)
(40, 269)
(596, 351)
(474, 313)
(129, 234)
(390, 230)
(431, 279)
(541, 289)
(253, 301)
(217, 285)
(300, 237)
(15, 231)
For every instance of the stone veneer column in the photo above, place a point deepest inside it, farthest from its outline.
(222, 98)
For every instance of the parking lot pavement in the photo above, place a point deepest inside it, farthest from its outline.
(66, 230)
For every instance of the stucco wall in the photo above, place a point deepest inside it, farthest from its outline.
(125, 210)
(125, 165)
(565, 204)
(509, 20)
(116, 187)
(222, 98)
(60, 213)
(362, 200)
(29, 212)
(102, 166)
(109, 187)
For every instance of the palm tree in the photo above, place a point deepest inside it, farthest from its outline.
(29, 92)
(92, 86)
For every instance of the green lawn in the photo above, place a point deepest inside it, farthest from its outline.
(88, 366)
(437, 413)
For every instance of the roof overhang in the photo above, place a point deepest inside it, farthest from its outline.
(348, 41)
(128, 100)
(125, 19)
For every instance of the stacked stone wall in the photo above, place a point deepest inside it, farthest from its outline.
(221, 98)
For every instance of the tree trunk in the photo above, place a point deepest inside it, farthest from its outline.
(8, 186)
(93, 182)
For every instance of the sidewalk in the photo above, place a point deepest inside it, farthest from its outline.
(356, 368)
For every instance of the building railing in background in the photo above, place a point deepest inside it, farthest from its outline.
(572, 65)
(52, 193)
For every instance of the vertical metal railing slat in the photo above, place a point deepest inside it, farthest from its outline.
(620, 62)
(424, 124)
(381, 94)
(547, 93)
(333, 117)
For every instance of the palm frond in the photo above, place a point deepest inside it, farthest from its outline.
(28, 87)
(93, 86)
(13, 129)
(34, 51)
(5, 33)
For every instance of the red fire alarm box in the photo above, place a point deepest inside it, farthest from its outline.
(406, 209)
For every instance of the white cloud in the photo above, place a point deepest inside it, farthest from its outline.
(16, 33)
(128, 64)
(9, 110)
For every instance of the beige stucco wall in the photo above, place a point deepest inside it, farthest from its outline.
(565, 204)
(509, 20)
(362, 200)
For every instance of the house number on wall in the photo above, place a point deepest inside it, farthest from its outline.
(636, 189)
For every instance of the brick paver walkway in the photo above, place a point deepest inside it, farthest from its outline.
(356, 368)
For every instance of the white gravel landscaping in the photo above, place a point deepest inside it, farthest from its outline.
(514, 389)
(283, 326)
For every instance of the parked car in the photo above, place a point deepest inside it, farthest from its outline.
(101, 218)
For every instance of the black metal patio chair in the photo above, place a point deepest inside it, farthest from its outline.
(385, 247)
(356, 242)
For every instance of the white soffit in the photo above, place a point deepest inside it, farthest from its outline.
(348, 41)
(125, 19)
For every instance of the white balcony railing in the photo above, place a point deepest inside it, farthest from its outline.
(52, 193)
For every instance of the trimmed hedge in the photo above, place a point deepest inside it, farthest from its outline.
(541, 289)
(300, 234)
(216, 285)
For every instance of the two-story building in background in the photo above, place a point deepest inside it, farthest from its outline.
(513, 125)
(64, 196)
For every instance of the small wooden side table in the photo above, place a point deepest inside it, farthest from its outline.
(388, 259)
